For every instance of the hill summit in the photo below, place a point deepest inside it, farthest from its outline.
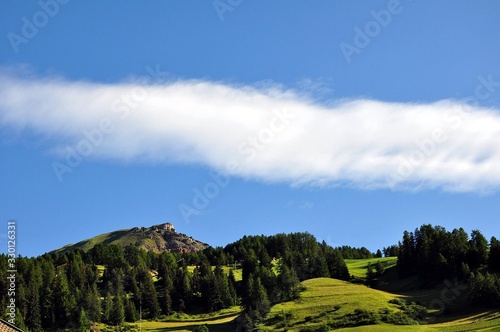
(157, 238)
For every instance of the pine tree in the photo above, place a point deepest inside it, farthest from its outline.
(406, 258)
(34, 317)
(92, 304)
(131, 314)
(259, 299)
(118, 313)
(478, 250)
(107, 308)
(64, 302)
(166, 298)
(484, 290)
(183, 288)
(83, 321)
(336, 264)
(148, 292)
(288, 284)
(21, 300)
(48, 316)
(494, 255)
(19, 321)
(370, 275)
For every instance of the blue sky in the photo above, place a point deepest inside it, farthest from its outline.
(351, 120)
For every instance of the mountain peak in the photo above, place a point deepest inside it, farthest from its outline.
(157, 238)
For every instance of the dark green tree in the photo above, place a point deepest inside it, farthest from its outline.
(118, 313)
(131, 314)
(83, 321)
(149, 296)
(92, 304)
(494, 255)
(258, 297)
(64, 302)
(34, 317)
(288, 284)
(478, 250)
(484, 290)
(19, 321)
(407, 257)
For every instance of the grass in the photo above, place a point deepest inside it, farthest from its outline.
(226, 323)
(220, 321)
(358, 267)
(486, 321)
(327, 300)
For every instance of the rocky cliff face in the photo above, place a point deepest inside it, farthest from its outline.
(163, 237)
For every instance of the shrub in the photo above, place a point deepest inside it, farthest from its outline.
(357, 318)
(398, 318)
(398, 302)
(201, 328)
(321, 328)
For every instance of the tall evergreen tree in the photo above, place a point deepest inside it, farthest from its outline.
(118, 313)
(34, 317)
(494, 255)
(47, 307)
(92, 304)
(83, 321)
(258, 297)
(64, 302)
(19, 321)
(288, 284)
(406, 258)
(478, 250)
(149, 295)
(131, 314)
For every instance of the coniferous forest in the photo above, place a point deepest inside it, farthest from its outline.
(113, 285)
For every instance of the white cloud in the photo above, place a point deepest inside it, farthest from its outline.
(270, 134)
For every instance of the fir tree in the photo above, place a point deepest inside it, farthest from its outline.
(83, 321)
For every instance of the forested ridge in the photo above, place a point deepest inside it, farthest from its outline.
(111, 284)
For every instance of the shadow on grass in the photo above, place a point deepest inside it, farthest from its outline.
(221, 327)
(202, 319)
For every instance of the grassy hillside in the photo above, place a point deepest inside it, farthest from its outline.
(327, 301)
(358, 267)
(323, 299)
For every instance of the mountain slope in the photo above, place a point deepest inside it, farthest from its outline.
(157, 238)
